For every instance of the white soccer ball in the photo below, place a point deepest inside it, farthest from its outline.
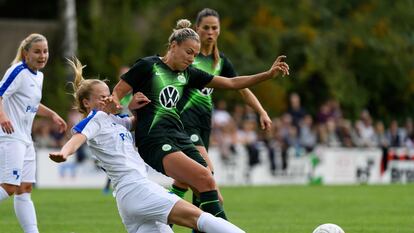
(328, 228)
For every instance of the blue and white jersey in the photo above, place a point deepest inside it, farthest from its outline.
(109, 139)
(21, 90)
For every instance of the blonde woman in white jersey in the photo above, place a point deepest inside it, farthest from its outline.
(20, 95)
(144, 206)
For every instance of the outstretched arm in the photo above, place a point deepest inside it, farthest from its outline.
(47, 112)
(69, 148)
(240, 82)
(250, 99)
(120, 90)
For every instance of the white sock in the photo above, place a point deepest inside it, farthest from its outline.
(25, 212)
(3, 194)
(210, 224)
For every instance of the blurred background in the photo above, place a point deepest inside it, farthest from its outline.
(343, 116)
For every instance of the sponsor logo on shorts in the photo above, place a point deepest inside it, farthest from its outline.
(194, 138)
(16, 173)
(166, 147)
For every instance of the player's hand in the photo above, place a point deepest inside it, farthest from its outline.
(111, 106)
(279, 66)
(57, 157)
(265, 121)
(62, 126)
(6, 124)
(139, 100)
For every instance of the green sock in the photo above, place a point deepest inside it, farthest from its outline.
(178, 191)
(210, 203)
(196, 200)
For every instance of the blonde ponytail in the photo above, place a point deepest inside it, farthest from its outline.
(82, 88)
(26, 44)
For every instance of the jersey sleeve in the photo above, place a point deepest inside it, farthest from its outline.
(228, 69)
(123, 119)
(90, 126)
(11, 82)
(136, 76)
(198, 78)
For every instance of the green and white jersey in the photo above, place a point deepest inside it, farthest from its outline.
(196, 105)
(164, 87)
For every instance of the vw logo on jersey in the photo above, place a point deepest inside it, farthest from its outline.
(207, 91)
(169, 97)
(181, 78)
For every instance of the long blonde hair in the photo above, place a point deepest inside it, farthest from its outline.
(26, 44)
(82, 88)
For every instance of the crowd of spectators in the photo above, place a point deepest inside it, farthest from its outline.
(297, 133)
(293, 133)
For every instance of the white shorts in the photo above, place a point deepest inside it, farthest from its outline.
(145, 205)
(17, 162)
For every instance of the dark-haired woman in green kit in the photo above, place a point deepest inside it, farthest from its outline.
(196, 105)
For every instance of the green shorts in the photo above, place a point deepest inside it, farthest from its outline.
(199, 136)
(153, 149)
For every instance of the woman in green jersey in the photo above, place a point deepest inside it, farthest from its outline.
(196, 105)
(160, 136)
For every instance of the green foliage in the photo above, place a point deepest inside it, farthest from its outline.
(358, 52)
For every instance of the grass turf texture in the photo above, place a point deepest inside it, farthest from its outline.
(282, 209)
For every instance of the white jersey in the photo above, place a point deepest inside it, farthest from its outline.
(21, 90)
(111, 142)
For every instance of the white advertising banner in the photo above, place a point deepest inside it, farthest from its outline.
(348, 165)
(76, 174)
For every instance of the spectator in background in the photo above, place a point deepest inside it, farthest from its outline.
(335, 109)
(221, 117)
(228, 140)
(296, 111)
(346, 133)
(41, 133)
(307, 134)
(251, 115)
(393, 135)
(238, 115)
(248, 137)
(284, 131)
(324, 114)
(365, 130)
(332, 134)
(409, 133)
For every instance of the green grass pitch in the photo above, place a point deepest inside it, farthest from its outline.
(268, 209)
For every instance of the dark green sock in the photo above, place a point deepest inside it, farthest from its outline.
(196, 200)
(178, 191)
(209, 202)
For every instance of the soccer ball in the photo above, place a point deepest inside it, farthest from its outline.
(328, 228)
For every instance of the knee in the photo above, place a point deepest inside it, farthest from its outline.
(207, 180)
(9, 188)
(24, 188)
